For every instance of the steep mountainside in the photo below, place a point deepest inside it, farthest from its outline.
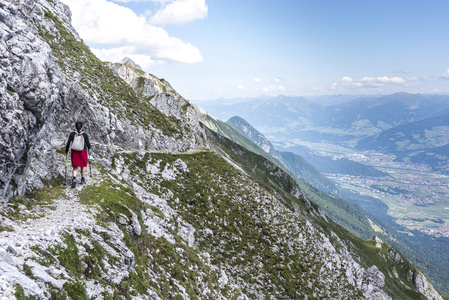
(172, 211)
(252, 133)
(353, 218)
(50, 79)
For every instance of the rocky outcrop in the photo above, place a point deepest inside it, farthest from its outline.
(424, 287)
(159, 93)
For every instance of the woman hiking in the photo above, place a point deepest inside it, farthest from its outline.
(78, 142)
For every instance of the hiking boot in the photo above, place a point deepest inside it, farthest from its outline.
(83, 181)
(73, 183)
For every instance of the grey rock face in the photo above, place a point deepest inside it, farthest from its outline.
(160, 94)
(374, 281)
(14, 277)
(42, 275)
(134, 227)
(424, 287)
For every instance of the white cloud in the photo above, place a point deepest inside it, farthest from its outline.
(119, 31)
(371, 82)
(240, 87)
(256, 79)
(180, 12)
(128, 1)
(273, 88)
(445, 75)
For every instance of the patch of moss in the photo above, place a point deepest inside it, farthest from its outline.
(94, 260)
(39, 197)
(84, 232)
(19, 293)
(58, 294)
(76, 290)
(69, 256)
(112, 198)
(186, 107)
(6, 228)
(61, 151)
(157, 212)
(53, 189)
(27, 271)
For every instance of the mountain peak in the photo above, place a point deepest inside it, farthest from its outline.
(129, 61)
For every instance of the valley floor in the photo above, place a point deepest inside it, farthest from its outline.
(417, 197)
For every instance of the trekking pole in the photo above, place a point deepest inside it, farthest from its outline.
(66, 157)
(90, 166)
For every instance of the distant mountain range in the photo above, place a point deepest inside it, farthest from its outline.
(427, 133)
(402, 124)
(385, 111)
(279, 112)
(290, 114)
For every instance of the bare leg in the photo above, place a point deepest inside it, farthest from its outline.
(74, 177)
(83, 172)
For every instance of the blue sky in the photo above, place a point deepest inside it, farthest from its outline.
(210, 49)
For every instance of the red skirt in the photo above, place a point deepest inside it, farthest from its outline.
(79, 158)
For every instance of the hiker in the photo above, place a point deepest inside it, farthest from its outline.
(78, 142)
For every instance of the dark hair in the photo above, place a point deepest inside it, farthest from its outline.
(79, 126)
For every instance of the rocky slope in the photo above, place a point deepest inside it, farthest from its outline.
(173, 210)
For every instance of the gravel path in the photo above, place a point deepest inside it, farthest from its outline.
(64, 214)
